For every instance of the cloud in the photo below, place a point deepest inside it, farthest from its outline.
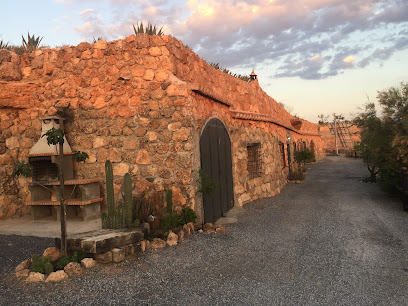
(86, 11)
(286, 34)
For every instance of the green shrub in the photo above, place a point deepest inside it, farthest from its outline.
(40, 264)
(63, 262)
(170, 221)
(76, 257)
(187, 216)
(305, 156)
(297, 175)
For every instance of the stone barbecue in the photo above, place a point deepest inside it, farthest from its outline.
(83, 196)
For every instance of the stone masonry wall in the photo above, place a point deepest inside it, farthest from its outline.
(139, 102)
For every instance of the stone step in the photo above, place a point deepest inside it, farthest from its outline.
(102, 240)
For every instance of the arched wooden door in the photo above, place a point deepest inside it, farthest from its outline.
(215, 150)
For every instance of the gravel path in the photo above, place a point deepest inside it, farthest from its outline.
(330, 241)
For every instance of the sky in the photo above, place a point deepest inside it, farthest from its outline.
(314, 56)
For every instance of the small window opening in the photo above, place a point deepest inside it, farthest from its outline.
(282, 154)
(254, 165)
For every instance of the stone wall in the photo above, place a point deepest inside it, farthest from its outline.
(142, 103)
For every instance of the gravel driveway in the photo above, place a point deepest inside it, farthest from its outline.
(330, 241)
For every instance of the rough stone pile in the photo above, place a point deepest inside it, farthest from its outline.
(23, 270)
(173, 238)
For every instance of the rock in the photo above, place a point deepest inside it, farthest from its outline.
(187, 230)
(88, 263)
(120, 169)
(181, 134)
(101, 44)
(53, 253)
(207, 227)
(23, 274)
(180, 235)
(35, 277)
(172, 239)
(158, 243)
(118, 255)
(130, 249)
(56, 277)
(144, 245)
(73, 269)
(103, 257)
(143, 157)
(146, 227)
(191, 226)
(221, 230)
(26, 264)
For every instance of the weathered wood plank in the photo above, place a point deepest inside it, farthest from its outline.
(103, 240)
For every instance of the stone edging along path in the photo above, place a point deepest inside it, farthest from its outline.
(23, 270)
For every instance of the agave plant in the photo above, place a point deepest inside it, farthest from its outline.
(3, 45)
(149, 29)
(97, 39)
(245, 78)
(32, 42)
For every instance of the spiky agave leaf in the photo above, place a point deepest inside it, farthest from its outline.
(149, 29)
(32, 42)
(3, 45)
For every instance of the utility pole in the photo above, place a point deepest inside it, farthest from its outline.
(335, 133)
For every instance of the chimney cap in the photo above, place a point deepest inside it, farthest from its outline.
(253, 75)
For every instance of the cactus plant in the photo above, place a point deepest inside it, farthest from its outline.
(109, 192)
(169, 200)
(122, 216)
(48, 268)
(128, 199)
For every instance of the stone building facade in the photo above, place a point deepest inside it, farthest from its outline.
(143, 103)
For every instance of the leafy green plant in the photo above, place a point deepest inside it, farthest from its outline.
(188, 215)
(63, 262)
(170, 221)
(54, 136)
(32, 42)
(76, 257)
(22, 169)
(208, 186)
(79, 156)
(41, 264)
(305, 156)
(149, 29)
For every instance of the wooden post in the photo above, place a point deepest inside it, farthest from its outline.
(335, 133)
(62, 201)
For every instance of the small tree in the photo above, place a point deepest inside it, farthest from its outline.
(55, 137)
(384, 140)
(323, 119)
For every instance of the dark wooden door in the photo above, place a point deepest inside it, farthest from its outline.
(216, 163)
